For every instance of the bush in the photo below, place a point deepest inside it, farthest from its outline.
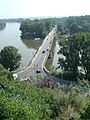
(5, 73)
(47, 83)
(25, 101)
(85, 114)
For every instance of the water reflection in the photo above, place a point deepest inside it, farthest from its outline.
(35, 44)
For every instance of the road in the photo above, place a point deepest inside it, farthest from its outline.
(38, 62)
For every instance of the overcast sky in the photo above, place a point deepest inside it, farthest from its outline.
(37, 8)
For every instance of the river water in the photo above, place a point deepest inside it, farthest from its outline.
(11, 36)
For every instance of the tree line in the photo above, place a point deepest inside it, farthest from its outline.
(19, 20)
(36, 28)
(74, 24)
(66, 25)
(2, 24)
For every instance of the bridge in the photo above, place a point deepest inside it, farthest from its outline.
(37, 64)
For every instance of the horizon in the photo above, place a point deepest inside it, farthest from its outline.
(41, 17)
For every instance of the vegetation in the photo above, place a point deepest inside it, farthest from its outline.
(46, 99)
(20, 101)
(67, 25)
(4, 72)
(2, 24)
(85, 114)
(35, 28)
(73, 24)
(76, 61)
(10, 58)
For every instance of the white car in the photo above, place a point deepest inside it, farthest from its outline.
(15, 76)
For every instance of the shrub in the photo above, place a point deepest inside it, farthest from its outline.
(47, 83)
(85, 114)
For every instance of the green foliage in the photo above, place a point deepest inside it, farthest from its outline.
(24, 101)
(2, 24)
(61, 28)
(85, 114)
(76, 51)
(35, 28)
(67, 25)
(49, 23)
(78, 24)
(85, 26)
(74, 28)
(73, 24)
(10, 58)
(66, 102)
(19, 101)
(5, 73)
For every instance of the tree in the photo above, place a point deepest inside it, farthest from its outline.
(49, 23)
(10, 58)
(85, 55)
(76, 61)
(61, 28)
(2, 24)
(36, 28)
(85, 114)
(74, 28)
(85, 26)
(32, 29)
(5, 73)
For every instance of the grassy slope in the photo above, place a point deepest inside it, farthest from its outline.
(23, 101)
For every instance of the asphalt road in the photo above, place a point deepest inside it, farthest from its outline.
(39, 59)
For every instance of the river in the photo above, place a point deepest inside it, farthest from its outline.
(10, 35)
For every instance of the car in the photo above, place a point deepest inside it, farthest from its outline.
(43, 51)
(37, 38)
(38, 71)
(15, 76)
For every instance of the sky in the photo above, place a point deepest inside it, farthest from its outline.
(41, 8)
